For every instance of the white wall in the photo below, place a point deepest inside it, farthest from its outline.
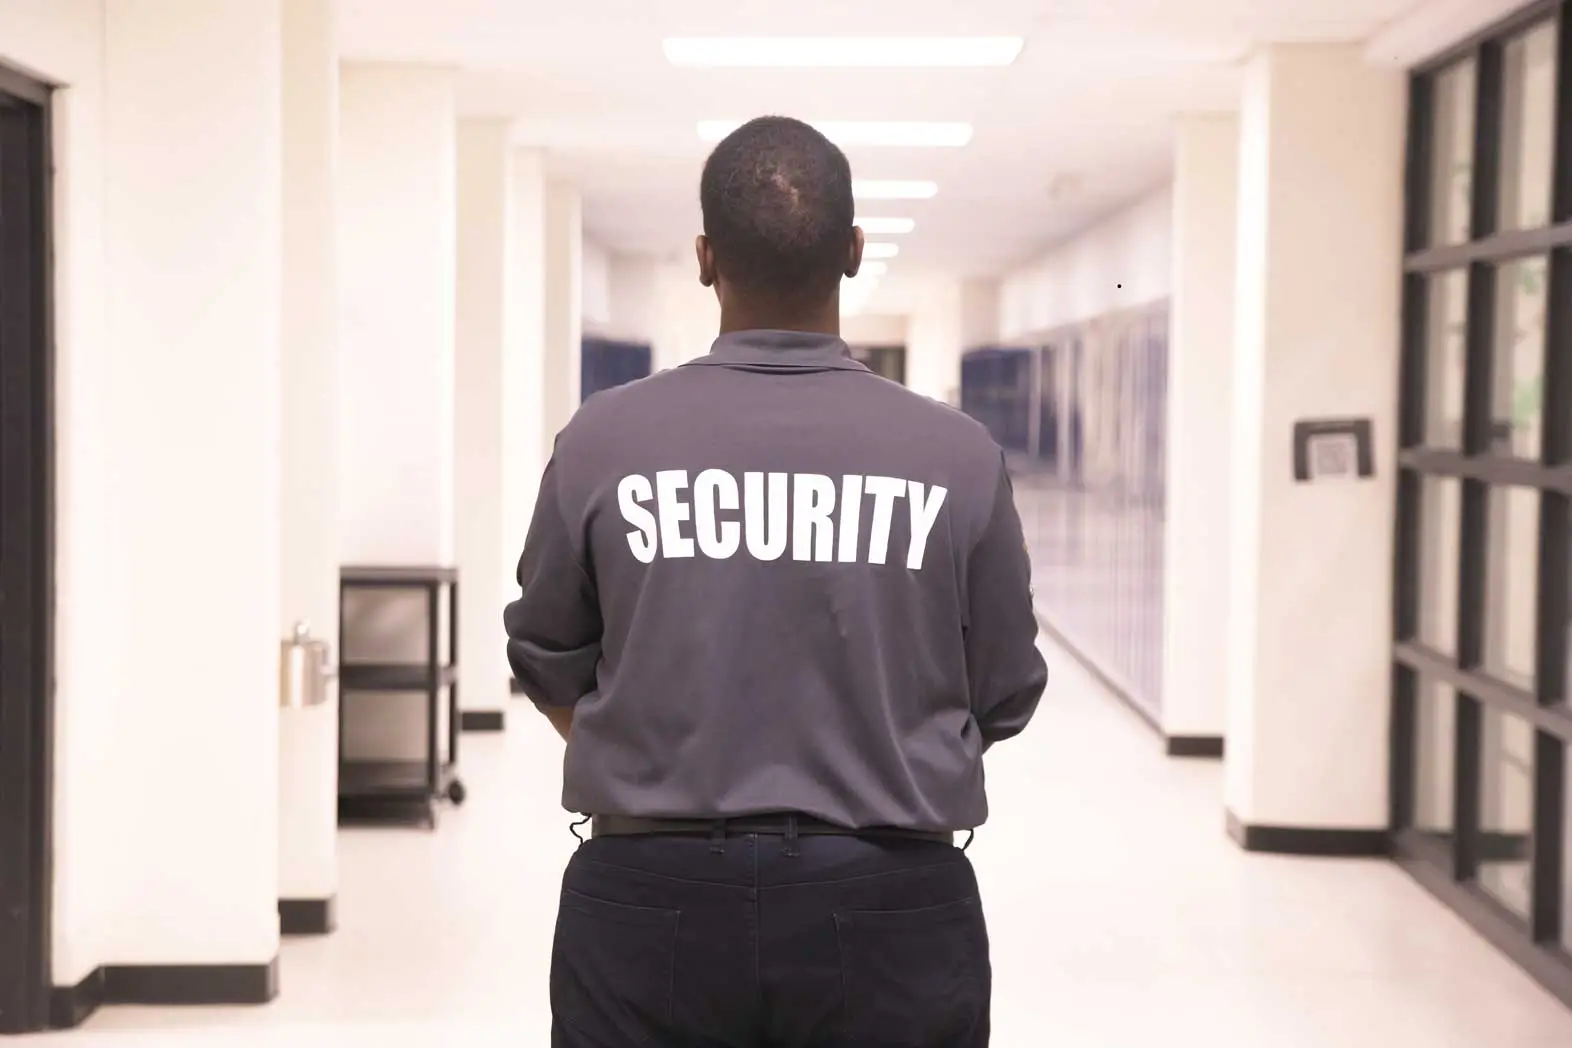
(633, 301)
(595, 265)
(397, 257)
(1123, 261)
(194, 322)
(686, 315)
(874, 329)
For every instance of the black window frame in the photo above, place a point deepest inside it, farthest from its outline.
(27, 492)
(1448, 865)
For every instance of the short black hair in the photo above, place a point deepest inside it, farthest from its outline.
(778, 208)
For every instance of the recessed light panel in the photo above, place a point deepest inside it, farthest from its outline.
(886, 227)
(911, 134)
(873, 189)
(842, 52)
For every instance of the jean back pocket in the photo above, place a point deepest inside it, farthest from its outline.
(612, 967)
(915, 978)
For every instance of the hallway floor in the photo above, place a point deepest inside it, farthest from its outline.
(1131, 920)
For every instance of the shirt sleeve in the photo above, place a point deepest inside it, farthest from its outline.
(554, 627)
(1006, 670)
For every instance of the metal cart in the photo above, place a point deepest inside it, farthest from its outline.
(377, 789)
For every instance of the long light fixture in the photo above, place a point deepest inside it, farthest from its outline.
(842, 52)
(880, 250)
(914, 134)
(873, 189)
(886, 227)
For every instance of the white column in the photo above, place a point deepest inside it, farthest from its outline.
(564, 306)
(486, 565)
(1200, 386)
(686, 316)
(635, 300)
(193, 203)
(308, 738)
(526, 443)
(934, 334)
(398, 281)
(1319, 263)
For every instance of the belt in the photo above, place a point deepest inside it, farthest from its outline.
(764, 825)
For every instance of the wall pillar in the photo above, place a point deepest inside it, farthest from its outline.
(485, 558)
(1200, 386)
(195, 332)
(308, 739)
(1318, 303)
(564, 306)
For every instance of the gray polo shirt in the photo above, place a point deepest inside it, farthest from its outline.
(770, 580)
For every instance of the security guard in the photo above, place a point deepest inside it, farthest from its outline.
(778, 607)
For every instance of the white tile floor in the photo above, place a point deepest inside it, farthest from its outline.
(1122, 916)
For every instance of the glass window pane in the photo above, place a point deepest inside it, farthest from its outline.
(1528, 127)
(1435, 757)
(1519, 371)
(1452, 153)
(1506, 808)
(1445, 363)
(1440, 520)
(1512, 585)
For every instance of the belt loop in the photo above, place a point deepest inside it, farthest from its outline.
(792, 850)
(718, 837)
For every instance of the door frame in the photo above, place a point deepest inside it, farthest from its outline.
(27, 556)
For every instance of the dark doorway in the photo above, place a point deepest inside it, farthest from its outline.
(606, 363)
(26, 554)
(886, 361)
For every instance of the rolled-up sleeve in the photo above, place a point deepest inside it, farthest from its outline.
(554, 627)
(1006, 670)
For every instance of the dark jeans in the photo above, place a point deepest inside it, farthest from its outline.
(849, 943)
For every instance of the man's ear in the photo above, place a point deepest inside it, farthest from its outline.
(706, 256)
(854, 259)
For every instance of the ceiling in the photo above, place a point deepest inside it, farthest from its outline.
(1080, 124)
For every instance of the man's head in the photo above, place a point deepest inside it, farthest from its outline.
(779, 220)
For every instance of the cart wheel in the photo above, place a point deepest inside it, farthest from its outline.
(456, 792)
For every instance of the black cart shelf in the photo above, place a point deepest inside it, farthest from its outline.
(377, 789)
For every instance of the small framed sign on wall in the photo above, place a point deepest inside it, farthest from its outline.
(1333, 449)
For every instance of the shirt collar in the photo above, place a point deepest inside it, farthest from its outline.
(768, 349)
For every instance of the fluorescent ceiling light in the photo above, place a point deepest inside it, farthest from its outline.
(880, 250)
(886, 190)
(873, 269)
(842, 52)
(916, 134)
(886, 227)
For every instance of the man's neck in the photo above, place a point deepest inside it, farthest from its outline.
(825, 320)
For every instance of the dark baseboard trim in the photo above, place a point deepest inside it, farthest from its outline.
(482, 720)
(1090, 666)
(160, 984)
(307, 916)
(1194, 745)
(1310, 840)
(514, 687)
